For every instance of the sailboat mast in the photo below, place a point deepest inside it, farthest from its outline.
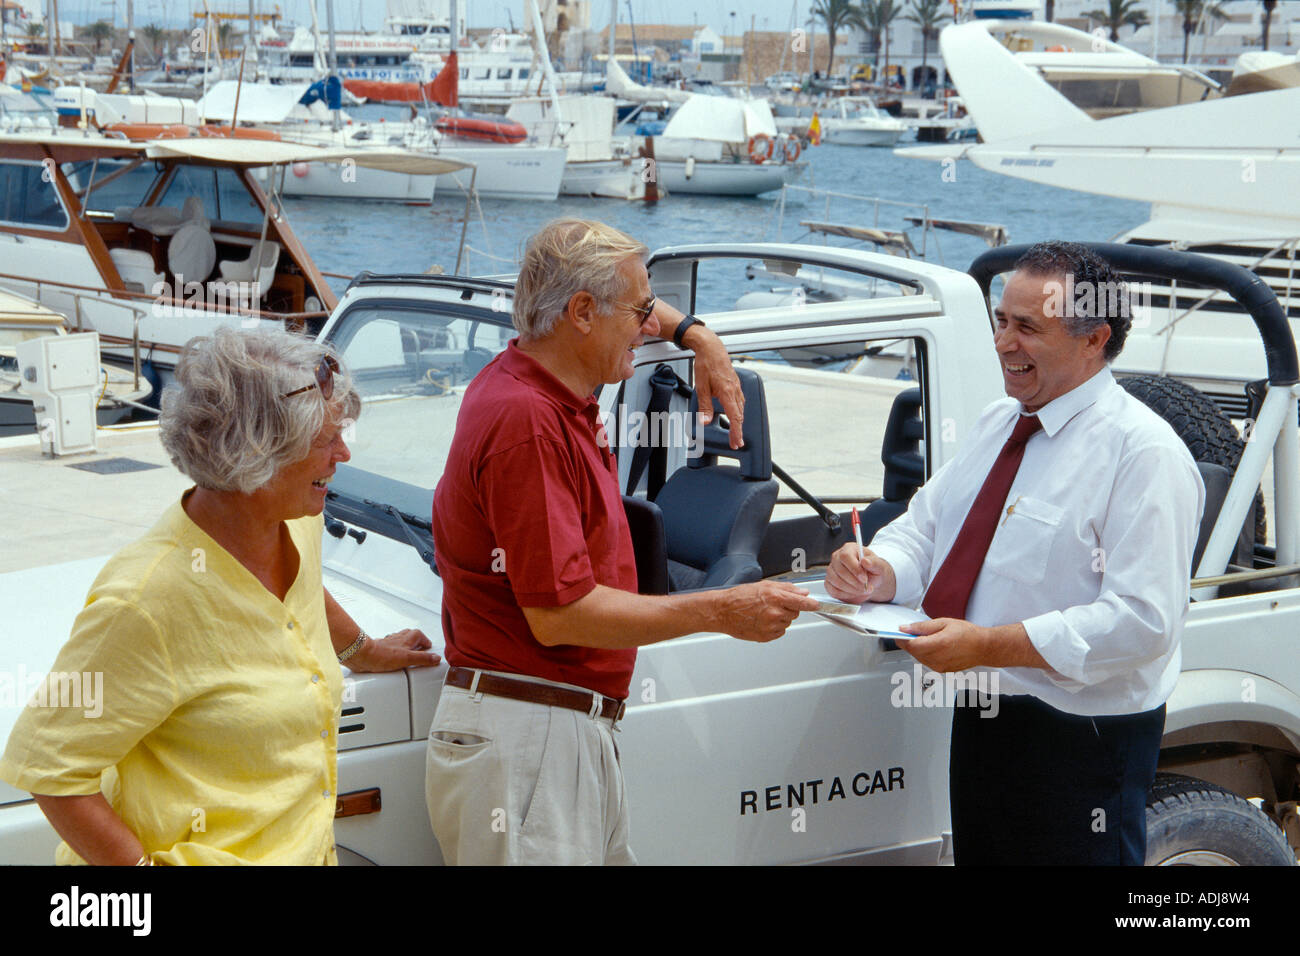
(335, 123)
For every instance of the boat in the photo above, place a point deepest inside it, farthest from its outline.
(495, 170)
(596, 163)
(410, 52)
(1099, 76)
(849, 121)
(1222, 176)
(722, 146)
(23, 319)
(152, 242)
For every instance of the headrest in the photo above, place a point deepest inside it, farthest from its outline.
(755, 456)
(191, 253)
(193, 209)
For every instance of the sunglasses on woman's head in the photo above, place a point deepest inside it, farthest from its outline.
(325, 372)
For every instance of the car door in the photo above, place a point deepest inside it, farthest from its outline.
(823, 745)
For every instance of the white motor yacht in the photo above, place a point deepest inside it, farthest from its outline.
(858, 121)
(1222, 176)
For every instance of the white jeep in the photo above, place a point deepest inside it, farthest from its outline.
(824, 746)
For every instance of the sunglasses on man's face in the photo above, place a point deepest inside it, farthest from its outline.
(643, 311)
(325, 372)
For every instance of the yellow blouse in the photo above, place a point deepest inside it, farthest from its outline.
(219, 732)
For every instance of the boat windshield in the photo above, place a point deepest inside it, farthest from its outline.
(113, 183)
(224, 195)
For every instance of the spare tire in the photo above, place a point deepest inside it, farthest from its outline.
(1208, 433)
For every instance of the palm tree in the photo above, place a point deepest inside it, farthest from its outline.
(155, 35)
(875, 17)
(1192, 10)
(835, 15)
(1119, 13)
(99, 31)
(928, 15)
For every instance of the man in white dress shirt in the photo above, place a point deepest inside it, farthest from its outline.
(1076, 591)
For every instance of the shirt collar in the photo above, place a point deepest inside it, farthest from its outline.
(534, 374)
(1056, 413)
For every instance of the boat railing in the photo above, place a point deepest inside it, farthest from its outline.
(140, 305)
(876, 202)
(855, 227)
(1275, 248)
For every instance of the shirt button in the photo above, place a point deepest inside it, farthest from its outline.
(315, 678)
(291, 625)
(325, 794)
(324, 734)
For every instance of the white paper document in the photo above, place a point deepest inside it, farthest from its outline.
(873, 620)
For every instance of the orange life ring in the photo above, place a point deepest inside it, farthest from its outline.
(792, 149)
(760, 147)
(238, 132)
(136, 131)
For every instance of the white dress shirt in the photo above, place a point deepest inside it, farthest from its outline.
(1094, 556)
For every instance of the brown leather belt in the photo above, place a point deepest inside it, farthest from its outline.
(534, 693)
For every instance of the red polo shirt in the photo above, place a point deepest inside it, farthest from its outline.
(528, 514)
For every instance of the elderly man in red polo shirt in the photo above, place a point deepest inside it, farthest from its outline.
(540, 610)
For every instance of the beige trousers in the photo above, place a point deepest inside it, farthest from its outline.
(512, 782)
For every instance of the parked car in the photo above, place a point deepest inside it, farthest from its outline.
(804, 749)
(783, 82)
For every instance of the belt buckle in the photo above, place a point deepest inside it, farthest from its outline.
(622, 709)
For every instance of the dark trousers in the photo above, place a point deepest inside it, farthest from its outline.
(1033, 785)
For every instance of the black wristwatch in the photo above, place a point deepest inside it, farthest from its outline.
(682, 326)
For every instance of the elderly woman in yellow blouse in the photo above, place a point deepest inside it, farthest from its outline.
(219, 646)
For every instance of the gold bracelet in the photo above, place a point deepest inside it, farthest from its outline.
(355, 646)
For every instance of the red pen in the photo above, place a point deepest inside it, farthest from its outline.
(857, 533)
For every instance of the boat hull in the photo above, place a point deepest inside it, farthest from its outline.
(725, 178)
(607, 178)
(862, 137)
(504, 172)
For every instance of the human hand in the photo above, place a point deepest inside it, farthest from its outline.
(714, 375)
(405, 648)
(947, 644)
(761, 611)
(858, 579)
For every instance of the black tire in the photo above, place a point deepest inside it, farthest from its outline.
(1208, 433)
(1194, 823)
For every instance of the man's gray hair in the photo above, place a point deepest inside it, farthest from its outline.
(565, 257)
(226, 422)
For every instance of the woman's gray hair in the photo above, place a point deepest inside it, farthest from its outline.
(226, 422)
(565, 257)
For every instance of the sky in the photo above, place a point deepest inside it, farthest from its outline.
(353, 14)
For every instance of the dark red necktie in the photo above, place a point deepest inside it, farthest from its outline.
(951, 587)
